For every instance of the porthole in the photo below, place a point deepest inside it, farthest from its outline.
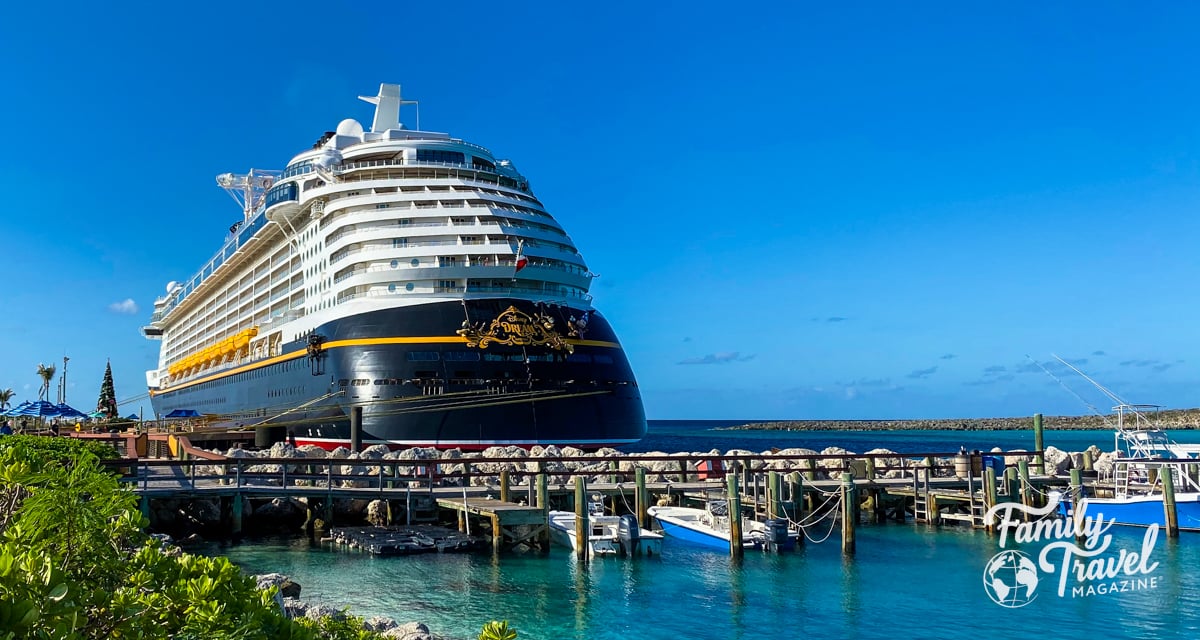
(395, 263)
(392, 288)
(408, 287)
(415, 262)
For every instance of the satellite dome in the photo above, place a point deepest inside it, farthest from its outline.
(171, 286)
(350, 127)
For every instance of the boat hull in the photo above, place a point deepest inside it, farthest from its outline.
(1143, 511)
(693, 526)
(695, 536)
(418, 382)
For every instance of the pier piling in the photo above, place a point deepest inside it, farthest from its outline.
(735, 517)
(849, 513)
(773, 494)
(504, 480)
(1076, 497)
(1039, 462)
(1026, 496)
(1172, 517)
(581, 519)
(642, 498)
(356, 415)
(989, 493)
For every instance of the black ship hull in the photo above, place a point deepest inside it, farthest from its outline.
(471, 375)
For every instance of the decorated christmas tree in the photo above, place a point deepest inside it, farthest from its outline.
(107, 404)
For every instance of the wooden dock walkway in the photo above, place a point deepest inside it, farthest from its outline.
(511, 506)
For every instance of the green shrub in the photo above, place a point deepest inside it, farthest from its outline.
(495, 630)
(75, 564)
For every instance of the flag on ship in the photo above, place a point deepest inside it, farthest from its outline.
(521, 259)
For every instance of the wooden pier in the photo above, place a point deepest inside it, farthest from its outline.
(510, 524)
(511, 505)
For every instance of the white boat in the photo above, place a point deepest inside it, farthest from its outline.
(709, 527)
(1147, 456)
(607, 535)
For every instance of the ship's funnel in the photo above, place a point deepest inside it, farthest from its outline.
(387, 107)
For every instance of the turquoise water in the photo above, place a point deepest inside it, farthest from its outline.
(905, 580)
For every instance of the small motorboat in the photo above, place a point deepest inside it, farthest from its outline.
(607, 535)
(709, 527)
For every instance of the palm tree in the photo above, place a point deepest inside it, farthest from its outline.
(5, 398)
(46, 373)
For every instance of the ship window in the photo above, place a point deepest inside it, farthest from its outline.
(360, 382)
(516, 357)
(579, 357)
(422, 356)
(438, 155)
(395, 263)
(493, 357)
(604, 359)
(415, 262)
(399, 243)
(382, 206)
(409, 287)
(392, 288)
(461, 356)
(480, 163)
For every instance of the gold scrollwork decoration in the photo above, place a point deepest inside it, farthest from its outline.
(515, 328)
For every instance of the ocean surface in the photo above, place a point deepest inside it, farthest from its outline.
(905, 581)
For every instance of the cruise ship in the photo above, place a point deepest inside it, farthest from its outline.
(399, 287)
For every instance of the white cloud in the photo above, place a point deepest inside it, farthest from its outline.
(125, 306)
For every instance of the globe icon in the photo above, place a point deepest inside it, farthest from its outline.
(1011, 579)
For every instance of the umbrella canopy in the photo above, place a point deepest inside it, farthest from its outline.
(12, 411)
(133, 416)
(67, 411)
(183, 413)
(39, 409)
(96, 414)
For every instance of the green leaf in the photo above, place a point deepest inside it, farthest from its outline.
(58, 592)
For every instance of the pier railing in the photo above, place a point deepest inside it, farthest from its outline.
(221, 473)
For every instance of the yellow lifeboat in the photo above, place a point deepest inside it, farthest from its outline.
(215, 352)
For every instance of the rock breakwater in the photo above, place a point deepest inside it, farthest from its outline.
(1175, 419)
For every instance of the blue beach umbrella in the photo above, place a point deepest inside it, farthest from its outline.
(12, 411)
(133, 416)
(183, 413)
(67, 411)
(39, 409)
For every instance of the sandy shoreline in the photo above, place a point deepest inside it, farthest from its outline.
(1175, 419)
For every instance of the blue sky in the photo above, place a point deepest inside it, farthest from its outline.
(797, 211)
